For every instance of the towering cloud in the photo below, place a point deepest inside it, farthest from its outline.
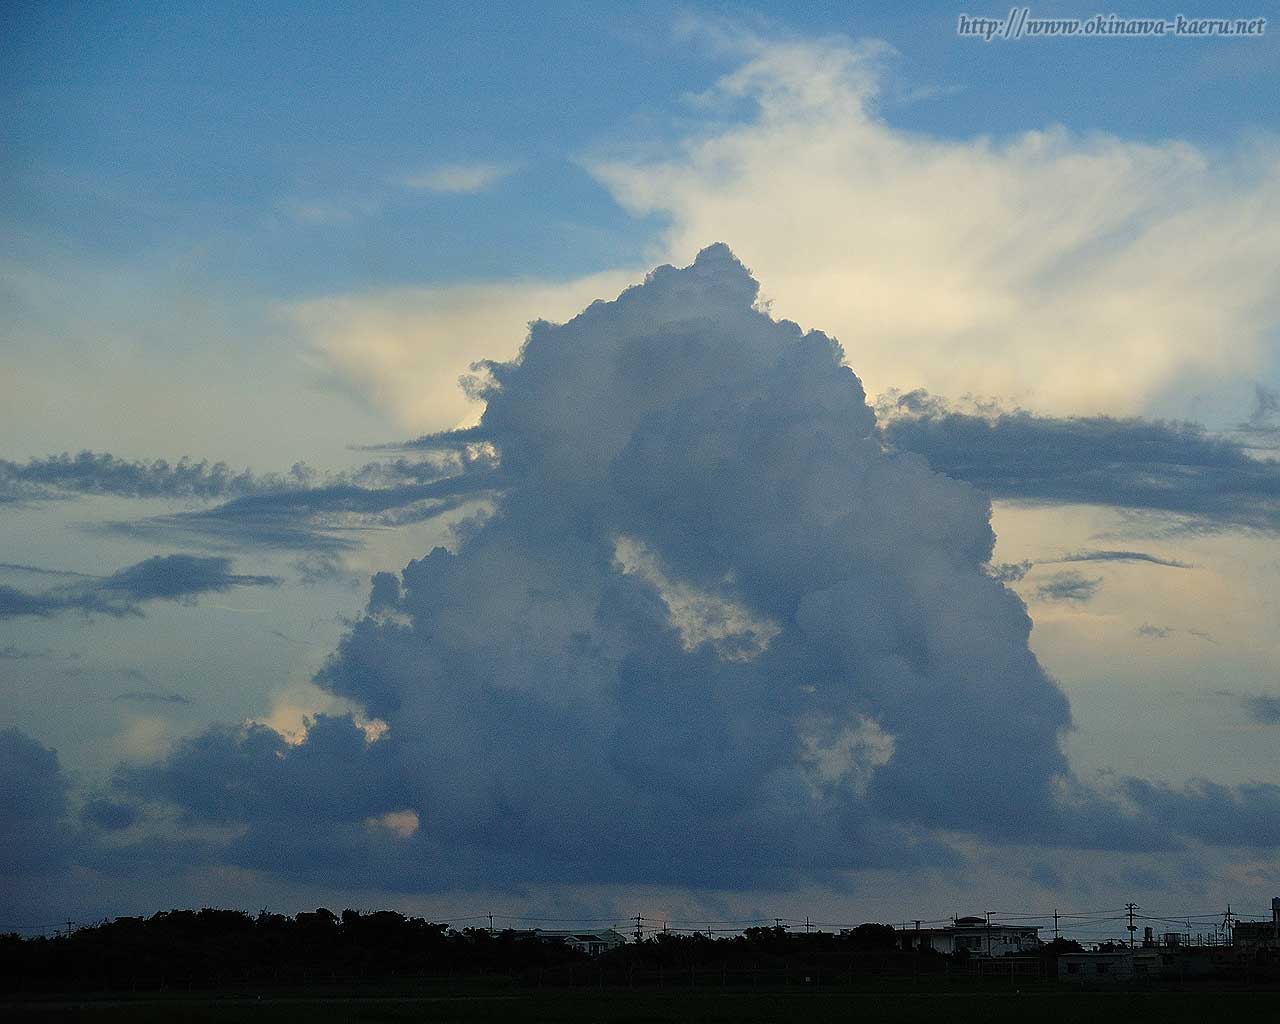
(710, 633)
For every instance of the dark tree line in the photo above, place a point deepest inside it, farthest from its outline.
(229, 950)
(210, 949)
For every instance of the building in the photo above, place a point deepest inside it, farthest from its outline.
(1260, 935)
(591, 943)
(1111, 966)
(974, 935)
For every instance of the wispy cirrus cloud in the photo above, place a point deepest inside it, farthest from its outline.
(153, 697)
(459, 178)
(1074, 273)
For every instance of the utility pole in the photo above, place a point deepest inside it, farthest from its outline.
(69, 923)
(490, 922)
(639, 927)
(988, 933)
(1131, 908)
(1055, 924)
(806, 924)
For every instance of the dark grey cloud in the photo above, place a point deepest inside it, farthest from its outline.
(34, 834)
(1263, 708)
(315, 804)
(39, 570)
(707, 603)
(153, 697)
(12, 652)
(1015, 572)
(1147, 465)
(1246, 815)
(1047, 877)
(1068, 586)
(171, 577)
(108, 815)
(1011, 572)
(301, 509)
(15, 603)
(102, 473)
(1153, 632)
(317, 568)
(163, 577)
(1119, 556)
(324, 520)
(444, 440)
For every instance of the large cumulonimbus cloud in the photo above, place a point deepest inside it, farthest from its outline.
(711, 633)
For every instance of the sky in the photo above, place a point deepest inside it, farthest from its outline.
(716, 462)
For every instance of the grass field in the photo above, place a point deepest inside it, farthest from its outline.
(622, 1007)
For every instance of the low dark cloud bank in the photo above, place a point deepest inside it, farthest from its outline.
(161, 578)
(1148, 465)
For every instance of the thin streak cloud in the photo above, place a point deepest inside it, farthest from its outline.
(460, 178)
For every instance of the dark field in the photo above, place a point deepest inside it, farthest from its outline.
(615, 1007)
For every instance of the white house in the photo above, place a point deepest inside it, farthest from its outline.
(975, 935)
(591, 943)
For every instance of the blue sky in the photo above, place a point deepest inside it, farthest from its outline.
(272, 235)
(131, 130)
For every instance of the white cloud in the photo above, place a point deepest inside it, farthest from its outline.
(701, 616)
(404, 824)
(459, 179)
(1075, 274)
(841, 754)
(402, 350)
(1068, 274)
